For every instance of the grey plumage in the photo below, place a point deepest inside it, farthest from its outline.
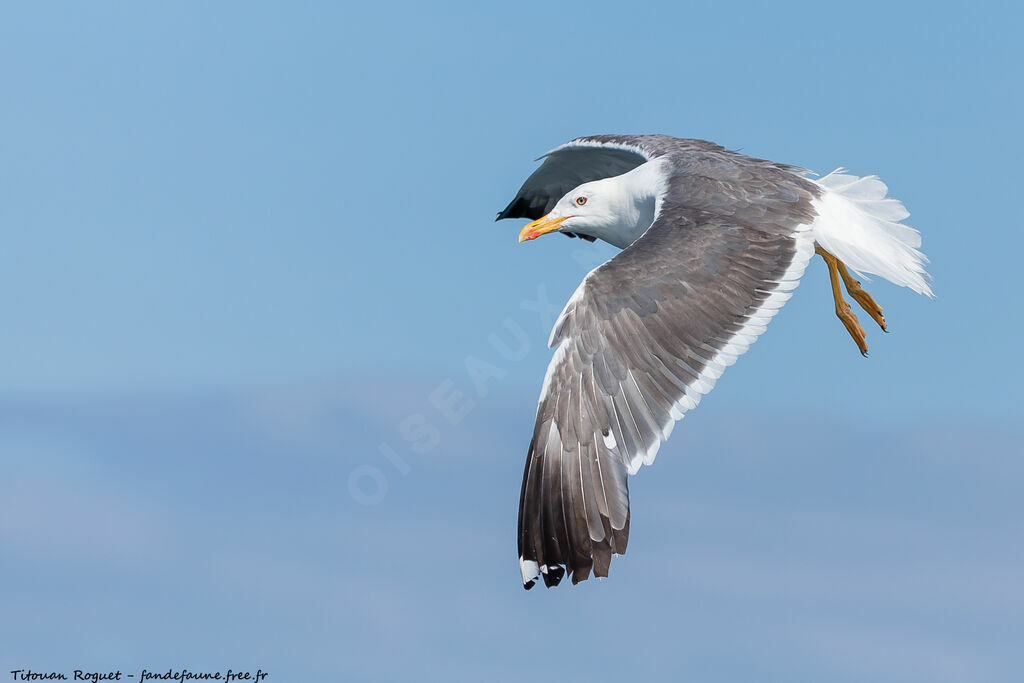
(649, 331)
(603, 156)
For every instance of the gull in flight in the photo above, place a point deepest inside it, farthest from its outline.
(713, 244)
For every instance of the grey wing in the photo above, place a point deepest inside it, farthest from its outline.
(638, 344)
(568, 166)
(602, 156)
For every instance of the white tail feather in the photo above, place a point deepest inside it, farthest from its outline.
(861, 226)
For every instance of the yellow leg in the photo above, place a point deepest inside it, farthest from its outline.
(860, 296)
(843, 311)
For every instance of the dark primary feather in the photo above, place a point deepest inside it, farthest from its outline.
(562, 171)
(635, 340)
(594, 157)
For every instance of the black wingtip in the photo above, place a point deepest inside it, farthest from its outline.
(509, 211)
(553, 576)
(529, 584)
(520, 207)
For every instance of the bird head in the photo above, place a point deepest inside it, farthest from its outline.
(584, 210)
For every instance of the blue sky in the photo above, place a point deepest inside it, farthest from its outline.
(245, 244)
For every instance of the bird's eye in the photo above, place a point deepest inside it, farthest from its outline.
(580, 201)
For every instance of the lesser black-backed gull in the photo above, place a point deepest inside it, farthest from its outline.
(713, 244)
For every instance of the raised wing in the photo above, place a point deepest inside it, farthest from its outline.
(567, 167)
(592, 158)
(638, 344)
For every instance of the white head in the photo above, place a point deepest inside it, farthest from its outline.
(589, 209)
(616, 210)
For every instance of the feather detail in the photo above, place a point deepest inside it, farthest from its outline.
(862, 227)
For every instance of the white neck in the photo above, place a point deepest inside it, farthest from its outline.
(635, 195)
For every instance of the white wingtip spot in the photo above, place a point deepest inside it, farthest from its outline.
(609, 440)
(529, 569)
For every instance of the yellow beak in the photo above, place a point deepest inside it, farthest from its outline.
(541, 226)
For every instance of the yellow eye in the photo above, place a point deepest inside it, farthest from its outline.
(580, 201)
